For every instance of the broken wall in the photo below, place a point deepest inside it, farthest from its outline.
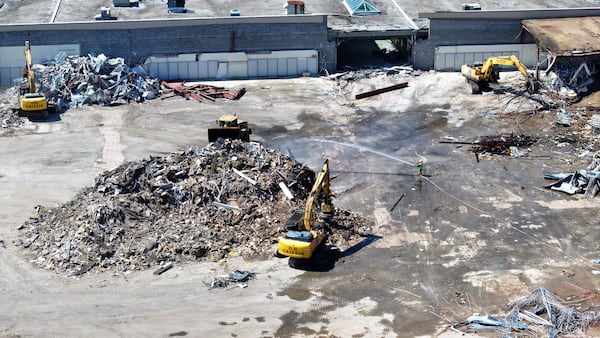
(580, 73)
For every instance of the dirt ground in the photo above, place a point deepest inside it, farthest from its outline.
(468, 237)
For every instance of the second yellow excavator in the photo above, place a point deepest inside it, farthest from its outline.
(484, 76)
(303, 237)
(32, 104)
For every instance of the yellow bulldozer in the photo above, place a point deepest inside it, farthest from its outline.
(229, 126)
(32, 104)
(484, 76)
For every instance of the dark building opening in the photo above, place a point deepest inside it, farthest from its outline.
(368, 53)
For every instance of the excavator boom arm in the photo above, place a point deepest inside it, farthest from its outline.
(521, 67)
(28, 67)
(488, 66)
(321, 182)
(481, 76)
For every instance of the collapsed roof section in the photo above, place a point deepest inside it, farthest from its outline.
(572, 45)
(360, 7)
(566, 36)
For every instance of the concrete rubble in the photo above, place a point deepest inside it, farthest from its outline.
(183, 207)
(354, 75)
(9, 120)
(72, 81)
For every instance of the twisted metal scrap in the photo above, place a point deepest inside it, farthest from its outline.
(525, 317)
(501, 144)
(564, 319)
(71, 81)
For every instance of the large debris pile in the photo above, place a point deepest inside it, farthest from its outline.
(204, 203)
(71, 81)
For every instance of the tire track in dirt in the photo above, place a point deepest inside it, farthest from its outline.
(112, 151)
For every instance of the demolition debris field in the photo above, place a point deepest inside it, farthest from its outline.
(204, 203)
(99, 197)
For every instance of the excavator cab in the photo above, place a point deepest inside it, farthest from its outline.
(227, 121)
(296, 221)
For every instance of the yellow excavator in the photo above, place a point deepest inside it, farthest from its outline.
(32, 104)
(302, 237)
(484, 76)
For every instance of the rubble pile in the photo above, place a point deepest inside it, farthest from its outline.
(203, 203)
(72, 81)
(574, 132)
(9, 119)
(502, 144)
(354, 75)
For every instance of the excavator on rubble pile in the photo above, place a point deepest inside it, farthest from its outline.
(304, 241)
(484, 76)
(32, 104)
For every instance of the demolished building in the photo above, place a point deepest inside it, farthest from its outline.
(572, 47)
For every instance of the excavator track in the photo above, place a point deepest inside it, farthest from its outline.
(323, 259)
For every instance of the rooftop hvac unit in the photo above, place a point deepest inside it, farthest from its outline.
(105, 14)
(471, 7)
(295, 7)
(176, 3)
(126, 3)
(234, 12)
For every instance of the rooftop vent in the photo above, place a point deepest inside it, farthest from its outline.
(178, 6)
(471, 7)
(234, 12)
(105, 14)
(176, 3)
(360, 7)
(126, 3)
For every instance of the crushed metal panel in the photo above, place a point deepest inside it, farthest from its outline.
(566, 36)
